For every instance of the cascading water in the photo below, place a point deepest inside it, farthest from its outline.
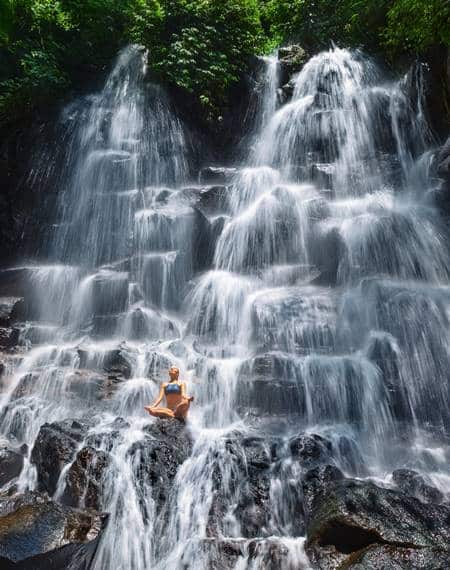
(324, 308)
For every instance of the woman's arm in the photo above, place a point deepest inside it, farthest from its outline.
(159, 398)
(183, 393)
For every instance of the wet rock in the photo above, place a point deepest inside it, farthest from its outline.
(386, 557)
(382, 350)
(217, 175)
(157, 458)
(241, 470)
(11, 309)
(270, 396)
(11, 463)
(326, 251)
(84, 480)
(273, 554)
(291, 59)
(226, 554)
(209, 199)
(9, 337)
(253, 509)
(315, 484)
(25, 385)
(203, 242)
(109, 292)
(215, 553)
(414, 484)
(38, 534)
(276, 324)
(117, 364)
(13, 281)
(56, 446)
(347, 516)
(286, 91)
(348, 456)
(310, 449)
(88, 385)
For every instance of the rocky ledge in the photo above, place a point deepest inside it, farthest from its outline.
(357, 524)
(156, 457)
(38, 533)
(349, 523)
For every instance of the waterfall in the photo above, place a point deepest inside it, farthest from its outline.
(313, 297)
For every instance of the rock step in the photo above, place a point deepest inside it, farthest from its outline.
(36, 533)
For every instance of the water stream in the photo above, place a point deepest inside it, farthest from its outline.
(323, 307)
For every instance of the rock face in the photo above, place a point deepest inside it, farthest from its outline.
(414, 484)
(11, 463)
(84, 480)
(10, 310)
(155, 459)
(55, 446)
(386, 557)
(38, 534)
(349, 520)
(292, 59)
(216, 175)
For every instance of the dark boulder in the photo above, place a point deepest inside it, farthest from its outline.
(315, 484)
(327, 248)
(109, 292)
(310, 449)
(210, 199)
(55, 447)
(117, 364)
(416, 485)
(270, 396)
(291, 59)
(347, 516)
(157, 458)
(203, 242)
(387, 557)
(253, 508)
(381, 349)
(88, 385)
(9, 337)
(11, 463)
(38, 534)
(221, 553)
(11, 309)
(14, 281)
(217, 175)
(84, 480)
(286, 91)
(227, 553)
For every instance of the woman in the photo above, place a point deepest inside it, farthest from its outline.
(177, 401)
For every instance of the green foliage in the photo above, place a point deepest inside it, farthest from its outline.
(416, 25)
(46, 45)
(388, 26)
(202, 46)
(316, 23)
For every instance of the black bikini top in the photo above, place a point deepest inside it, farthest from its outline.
(172, 389)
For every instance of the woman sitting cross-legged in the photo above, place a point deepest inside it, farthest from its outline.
(177, 403)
